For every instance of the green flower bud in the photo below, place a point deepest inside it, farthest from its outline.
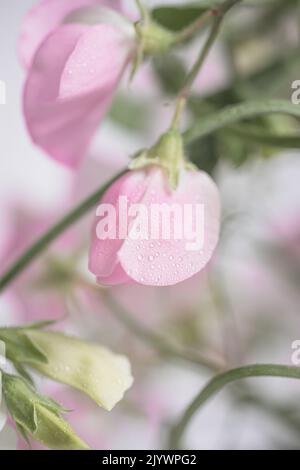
(38, 417)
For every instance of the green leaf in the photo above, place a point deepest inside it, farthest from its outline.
(236, 113)
(37, 416)
(90, 368)
(171, 73)
(130, 113)
(177, 17)
(204, 154)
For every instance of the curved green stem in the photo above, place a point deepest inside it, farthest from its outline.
(234, 113)
(217, 383)
(32, 253)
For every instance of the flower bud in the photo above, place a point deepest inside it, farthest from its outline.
(38, 417)
(153, 234)
(93, 369)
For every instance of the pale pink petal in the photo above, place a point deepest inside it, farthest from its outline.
(167, 262)
(157, 262)
(94, 15)
(118, 276)
(70, 87)
(45, 17)
(103, 260)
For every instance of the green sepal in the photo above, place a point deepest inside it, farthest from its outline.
(19, 398)
(23, 433)
(19, 347)
(168, 153)
(23, 372)
(37, 416)
(155, 39)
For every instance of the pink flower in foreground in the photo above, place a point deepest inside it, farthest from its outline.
(154, 261)
(76, 52)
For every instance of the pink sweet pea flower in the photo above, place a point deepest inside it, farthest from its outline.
(45, 17)
(155, 261)
(76, 58)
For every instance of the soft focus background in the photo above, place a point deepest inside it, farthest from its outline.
(243, 308)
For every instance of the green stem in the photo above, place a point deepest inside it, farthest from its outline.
(234, 113)
(217, 383)
(36, 249)
(180, 106)
(219, 14)
(162, 345)
(145, 14)
(192, 29)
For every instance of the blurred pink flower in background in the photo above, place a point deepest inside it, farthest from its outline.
(287, 232)
(73, 73)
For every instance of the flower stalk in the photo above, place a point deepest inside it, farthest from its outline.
(217, 383)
